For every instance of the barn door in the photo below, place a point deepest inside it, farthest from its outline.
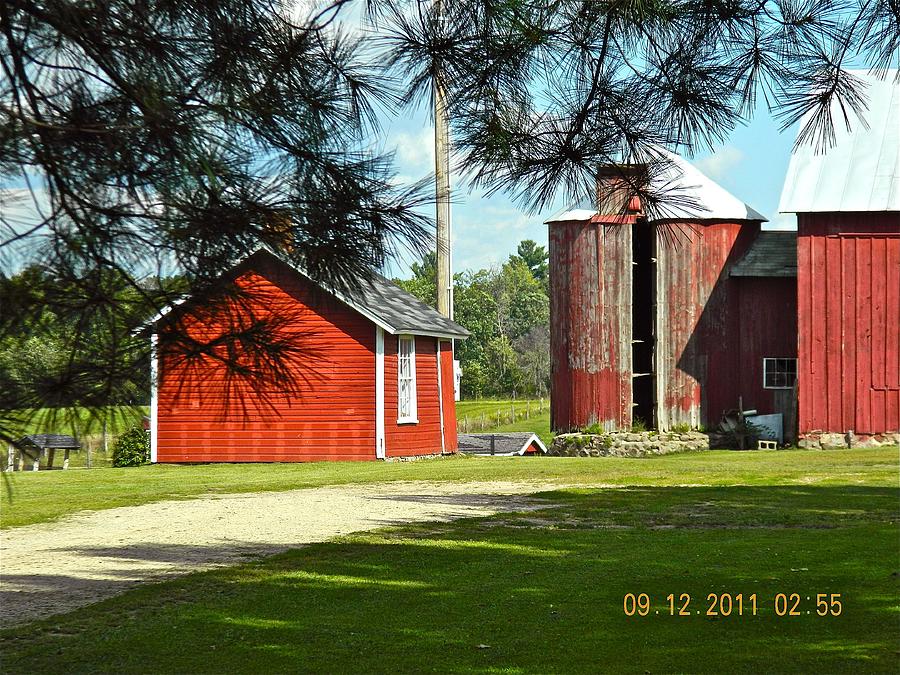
(870, 336)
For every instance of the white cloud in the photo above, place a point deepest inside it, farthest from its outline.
(415, 151)
(717, 165)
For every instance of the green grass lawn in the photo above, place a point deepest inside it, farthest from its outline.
(33, 497)
(543, 591)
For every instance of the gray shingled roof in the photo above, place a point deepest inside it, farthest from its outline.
(505, 444)
(773, 254)
(394, 309)
(49, 441)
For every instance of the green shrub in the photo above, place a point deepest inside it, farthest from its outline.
(593, 429)
(681, 428)
(132, 448)
(638, 425)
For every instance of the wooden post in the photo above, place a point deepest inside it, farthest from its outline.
(10, 457)
(443, 262)
(483, 421)
(466, 427)
(512, 413)
(499, 423)
(51, 455)
(19, 460)
(528, 410)
(37, 460)
(66, 460)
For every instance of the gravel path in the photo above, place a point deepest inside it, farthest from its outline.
(56, 567)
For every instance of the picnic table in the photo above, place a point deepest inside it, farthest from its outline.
(37, 446)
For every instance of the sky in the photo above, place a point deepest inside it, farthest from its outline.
(751, 165)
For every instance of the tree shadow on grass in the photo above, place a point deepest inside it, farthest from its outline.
(460, 597)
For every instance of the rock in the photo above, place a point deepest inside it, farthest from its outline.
(865, 442)
(832, 441)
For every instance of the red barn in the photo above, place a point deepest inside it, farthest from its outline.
(847, 202)
(667, 317)
(362, 374)
(675, 318)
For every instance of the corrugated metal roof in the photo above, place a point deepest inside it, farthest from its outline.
(861, 172)
(773, 254)
(694, 196)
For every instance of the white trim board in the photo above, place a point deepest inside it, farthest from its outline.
(380, 449)
(154, 396)
(437, 345)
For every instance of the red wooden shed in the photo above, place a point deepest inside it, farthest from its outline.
(663, 317)
(847, 202)
(365, 373)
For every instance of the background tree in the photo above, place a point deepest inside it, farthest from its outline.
(536, 259)
(507, 312)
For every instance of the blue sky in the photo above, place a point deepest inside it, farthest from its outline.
(751, 165)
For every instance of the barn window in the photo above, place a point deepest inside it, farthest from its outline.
(406, 379)
(779, 373)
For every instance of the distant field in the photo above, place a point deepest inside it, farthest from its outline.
(538, 424)
(75, 421)
(87, 425)
(504, 415)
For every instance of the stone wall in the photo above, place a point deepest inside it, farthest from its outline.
(823, 440)
(626, 444)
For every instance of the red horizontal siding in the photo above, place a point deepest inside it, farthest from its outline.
(848, 319)
(327, 413)
(424, 437)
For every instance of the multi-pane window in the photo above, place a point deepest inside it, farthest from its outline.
(779, 373)
(406, 379)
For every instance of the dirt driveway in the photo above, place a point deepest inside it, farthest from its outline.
(56, 567)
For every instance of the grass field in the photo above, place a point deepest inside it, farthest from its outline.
(32, 497)
(486, 412)
(534, 592)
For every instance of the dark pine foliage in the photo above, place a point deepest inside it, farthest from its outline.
(544, 91)
(154, 137)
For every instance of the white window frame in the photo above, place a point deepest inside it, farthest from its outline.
(412, 414)
(772, 360)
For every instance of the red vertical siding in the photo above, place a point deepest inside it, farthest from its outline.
(848, 322)
(768, 329)
(697, 321)
(424, 437)
(451, 442)
(590, 324)
(204, 418)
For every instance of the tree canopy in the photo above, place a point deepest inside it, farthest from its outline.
(507, 311)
